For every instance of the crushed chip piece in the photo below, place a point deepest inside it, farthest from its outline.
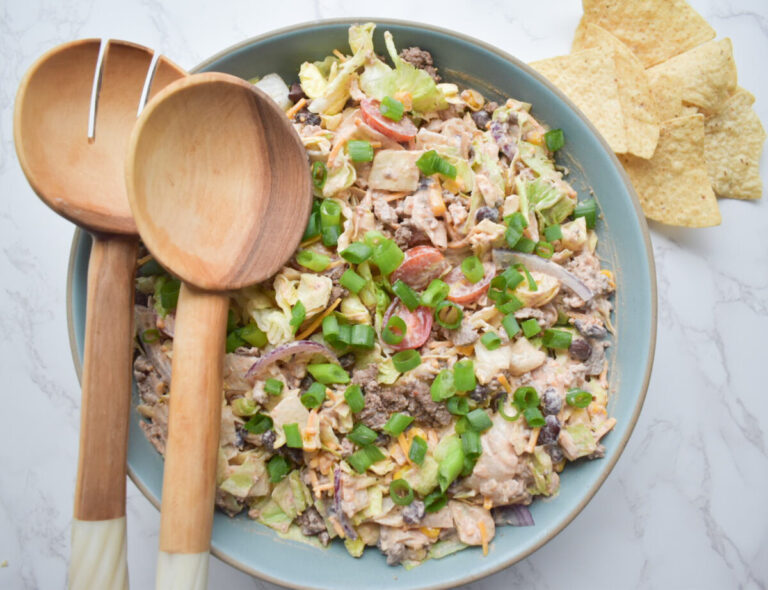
(588, 78)
(637, 104)
(673, 186)
(706, 75)
(654, 30)
(734, 141)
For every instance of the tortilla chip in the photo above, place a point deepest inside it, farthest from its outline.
(673, 186)
(668, 96)
(654, 30)
(706, 75)
(733, 143)
(637, 104)
(588, 78)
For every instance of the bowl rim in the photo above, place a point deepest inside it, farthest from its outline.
(608, 467)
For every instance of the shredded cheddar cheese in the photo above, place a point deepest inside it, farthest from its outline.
(291, 113)
(467, 350)
(310, 241)
(318, 320)
(504, 383)
(432, 533)
(532, 441)
(607, 273)
(483, 536)
(487, 503)
(401, 440)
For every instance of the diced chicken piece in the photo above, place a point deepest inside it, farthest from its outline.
(423, 218)
(235, 368)
(397, 543)
(288, 411)
(491, 193)
(486, 235)
(383, 211)
(395, 170)
(468, 519)
(574, 234)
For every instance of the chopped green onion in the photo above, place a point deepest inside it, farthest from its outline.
(319, 174)
(278, 468)
(588, 210)
(444, 311)
(534, 417)
(356, 252)
(363, 336)
(313, 226)
(450, 461)
(469, 466)
(168, 294)
(298, 313)
(373, 238)
(462, 425)
(526, 397)
(330, 213)
(314, 396)
(490, 340)
(401, 492)
(512, 277)
(394, 331)
(544, 249)
(258, 424)
(405, 360)
(292, 436)
(532, 286)
(510, 325)
(435, 501)
(458, 406)
(234, 341)
(352, 281)
(407, 295)
(243, 407)
(354, 398)
(556, 339)
(231, 320)
(479, 420)
(435, 293)
(470, 444)
(503, 413)
(387, 256)
(313, 260)
(510, 306)
(525, 245)
(553, 233)
(431, 163)
(330, 235)
(151, 335)
(273, 386)
(150, 268)
(331, 328)
(362, 459)
(442, 386)
(253, 335)
(360, 150)
(464, 375)
(327, 373)
(516, 220)
(530, 327)
(554, 139)
(397, 423)
(391, 108)
(578, 398)
(345, 336)
(497, 290)
(362, 435)
(513, 235)
(418, 450)
(473, 269)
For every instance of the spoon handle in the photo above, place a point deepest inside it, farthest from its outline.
(98, 530)
(191, 456)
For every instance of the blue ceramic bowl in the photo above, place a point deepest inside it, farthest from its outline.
(624, 245)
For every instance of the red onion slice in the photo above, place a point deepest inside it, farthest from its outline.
(286, 350)
(512, 515)
(537, 263)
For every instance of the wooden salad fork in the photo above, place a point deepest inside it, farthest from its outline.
(74, 111)
(219, 185)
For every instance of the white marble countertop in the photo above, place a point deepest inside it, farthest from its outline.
(686, 504)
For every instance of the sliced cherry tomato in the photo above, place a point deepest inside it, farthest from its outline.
(418, 324)
(402, 130)
(420, 265)
(462, 291)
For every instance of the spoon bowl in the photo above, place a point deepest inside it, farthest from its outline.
(219, 185)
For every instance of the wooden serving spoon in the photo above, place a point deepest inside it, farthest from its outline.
(94, 88)
(220, 189)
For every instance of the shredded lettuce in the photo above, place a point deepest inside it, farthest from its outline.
(551, 204)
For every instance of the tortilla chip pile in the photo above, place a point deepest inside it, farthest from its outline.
(664, 95)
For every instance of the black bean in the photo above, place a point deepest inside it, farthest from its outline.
(307, 118)
(487, 213)
(295, 94)
(347, 361)
(306, 382)
(550, 430)
(555, 452)
(481, 119)
(480, 393)
(550, 401)
(268, 439)
(580, 349)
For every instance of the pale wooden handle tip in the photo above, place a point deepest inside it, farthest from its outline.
(182, 571)
(98, 558)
